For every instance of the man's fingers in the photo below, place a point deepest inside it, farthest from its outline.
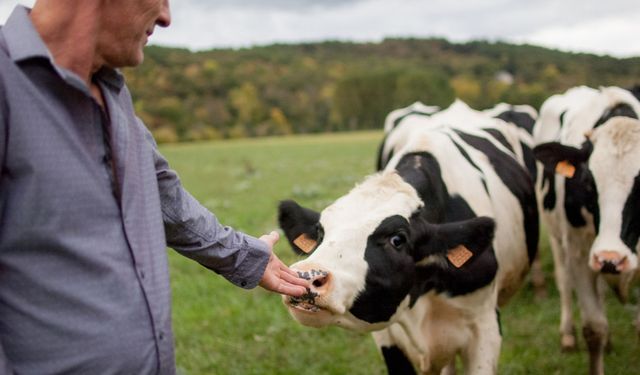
(291, 276)
(271, 238)
(288, 270)
(291, 290)
(278, 277)
(283, 267)
(294, 279)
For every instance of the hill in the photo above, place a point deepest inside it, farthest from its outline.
(337, 86)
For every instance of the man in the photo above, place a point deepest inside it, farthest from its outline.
(88, 205)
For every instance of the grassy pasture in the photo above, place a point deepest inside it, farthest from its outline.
(221, 329)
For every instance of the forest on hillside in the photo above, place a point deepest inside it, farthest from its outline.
(339, 86)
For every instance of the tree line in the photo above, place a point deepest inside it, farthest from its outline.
(339, 86)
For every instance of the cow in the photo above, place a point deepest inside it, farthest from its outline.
(399, 126)
(423, 253)
(589, 198)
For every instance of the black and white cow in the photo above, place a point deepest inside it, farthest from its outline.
(423, 253)
(589, 141)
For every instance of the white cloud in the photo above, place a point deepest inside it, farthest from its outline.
(606, 35)
(577, 25)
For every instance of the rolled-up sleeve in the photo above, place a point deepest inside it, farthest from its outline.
(195, 232)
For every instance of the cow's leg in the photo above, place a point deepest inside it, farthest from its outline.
(537, 278)
(595, 327)
(563, 283)
(638, 324)
(396, 360)
(482, 353)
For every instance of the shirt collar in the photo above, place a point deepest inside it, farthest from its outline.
(111, 77)
(24, 43)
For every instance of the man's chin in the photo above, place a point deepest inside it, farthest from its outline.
(129, 61)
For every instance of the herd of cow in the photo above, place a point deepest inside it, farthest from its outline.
(425, 252)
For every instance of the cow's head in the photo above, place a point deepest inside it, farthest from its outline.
(606, 171)
(372, 251)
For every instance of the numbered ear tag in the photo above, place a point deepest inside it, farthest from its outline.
(566, 169)
(459, 255)
(305, 243)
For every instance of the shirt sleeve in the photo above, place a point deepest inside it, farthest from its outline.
(3, 123)
(5, 367)
(195, 232)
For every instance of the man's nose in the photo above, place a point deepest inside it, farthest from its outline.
(164, 19)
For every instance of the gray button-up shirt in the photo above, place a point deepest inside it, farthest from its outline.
(84, 283)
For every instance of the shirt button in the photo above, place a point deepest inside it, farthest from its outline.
(161, 335)
(243, 283)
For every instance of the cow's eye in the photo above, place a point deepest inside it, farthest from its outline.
(398, 240)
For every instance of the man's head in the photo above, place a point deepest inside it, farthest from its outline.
(125, 28)
(86, 35)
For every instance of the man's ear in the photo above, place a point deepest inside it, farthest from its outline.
(563, 159)
(300, 226)
(459, 242)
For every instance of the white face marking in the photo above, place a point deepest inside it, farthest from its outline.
(614, 163)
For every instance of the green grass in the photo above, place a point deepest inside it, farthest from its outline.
(222, 329)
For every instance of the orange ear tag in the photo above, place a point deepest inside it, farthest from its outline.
(459, 255)
(305, 243)
(566, 169)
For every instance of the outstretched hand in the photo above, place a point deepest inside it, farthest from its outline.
(277, 276)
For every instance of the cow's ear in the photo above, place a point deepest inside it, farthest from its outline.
(563, 159)
(301, 226)
(456, 243)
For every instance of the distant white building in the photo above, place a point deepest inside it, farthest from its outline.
(504, 77)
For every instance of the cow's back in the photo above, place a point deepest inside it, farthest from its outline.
(483, 162)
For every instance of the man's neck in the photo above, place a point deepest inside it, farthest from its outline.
(70, 31)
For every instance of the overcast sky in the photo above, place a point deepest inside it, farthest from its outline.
(602, 27)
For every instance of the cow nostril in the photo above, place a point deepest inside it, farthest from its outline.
(317, 277)
(319, 282)
(610, 262)
(609, 267)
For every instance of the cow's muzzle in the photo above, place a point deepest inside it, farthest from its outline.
(610, 262)
(306, 301)
(319, 278)
(320, 285)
